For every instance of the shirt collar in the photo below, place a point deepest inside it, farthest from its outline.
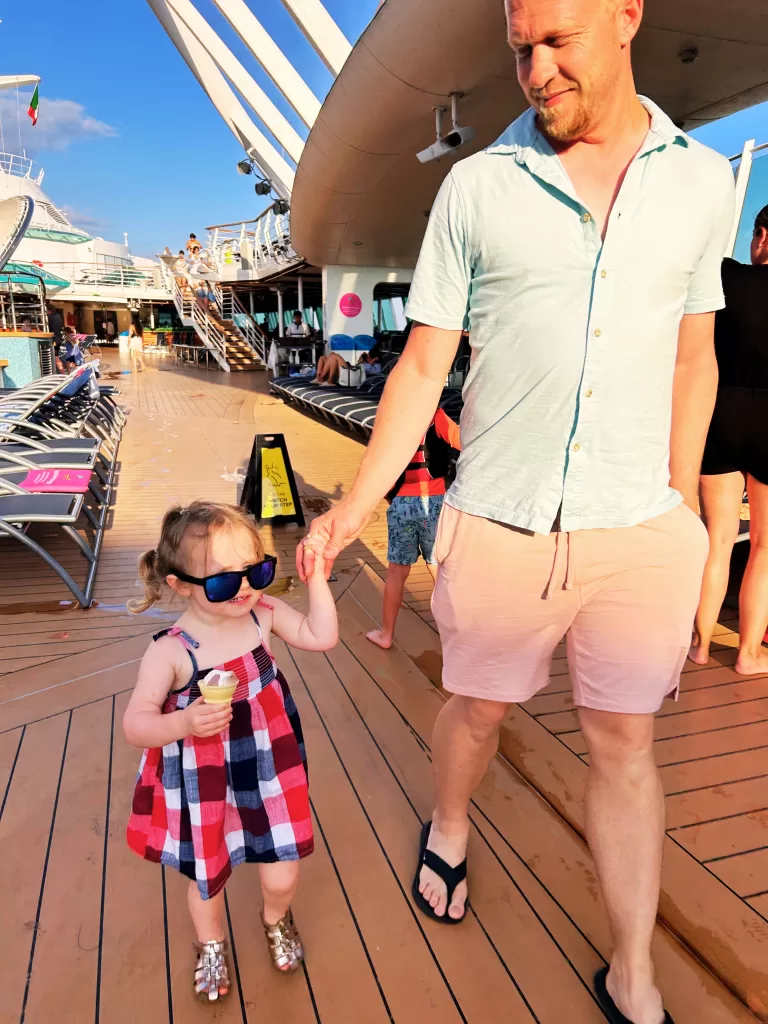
(525, 142)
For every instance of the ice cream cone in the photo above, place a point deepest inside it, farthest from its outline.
(218, 687)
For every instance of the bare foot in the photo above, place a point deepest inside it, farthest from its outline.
(453, 850)
(641, 1004)
(752, 664)
(380, 638)
(698, 655)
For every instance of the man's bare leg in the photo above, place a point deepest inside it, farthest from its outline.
(625, 828)
(464, 741)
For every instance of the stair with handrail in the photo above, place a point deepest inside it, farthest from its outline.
(234, 346)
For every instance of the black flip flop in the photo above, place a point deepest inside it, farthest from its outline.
(610, 1009)
(452, 877)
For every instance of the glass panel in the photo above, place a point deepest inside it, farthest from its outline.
(756, 199)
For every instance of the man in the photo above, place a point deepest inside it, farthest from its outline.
(109, 327)
(55, 325)
(298, 329)
(583, 252)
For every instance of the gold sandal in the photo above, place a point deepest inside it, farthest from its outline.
(284, 941)
(211, 971)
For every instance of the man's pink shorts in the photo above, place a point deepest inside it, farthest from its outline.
(625, 598)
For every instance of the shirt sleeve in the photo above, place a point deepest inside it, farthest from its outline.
(439, 295)
(448, 429)
(705, 290)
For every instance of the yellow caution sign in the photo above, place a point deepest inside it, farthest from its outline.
(276, 496)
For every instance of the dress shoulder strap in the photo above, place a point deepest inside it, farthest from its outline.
(258, 625)
(190, 646)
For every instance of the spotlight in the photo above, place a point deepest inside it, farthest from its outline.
(244, 167)
(689, 55)
(281, 207)
(263, 188)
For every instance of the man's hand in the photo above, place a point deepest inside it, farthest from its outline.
(206, 719)
(329, 534)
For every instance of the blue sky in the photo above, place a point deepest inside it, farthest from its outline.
(133, 144)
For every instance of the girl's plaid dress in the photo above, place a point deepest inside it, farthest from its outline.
(203, 806)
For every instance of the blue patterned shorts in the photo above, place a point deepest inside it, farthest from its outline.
(412, 526)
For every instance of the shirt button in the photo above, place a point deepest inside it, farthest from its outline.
(587, 218)
(603, 273)
(577, 447)
(598, 332)
(588, 394)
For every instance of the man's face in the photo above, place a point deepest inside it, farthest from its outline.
(570, 54)
(759, 248)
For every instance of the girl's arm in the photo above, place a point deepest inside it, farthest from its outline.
(317, 631)
(144, 723)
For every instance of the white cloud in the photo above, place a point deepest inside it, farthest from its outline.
(60, 124)
(89, 222)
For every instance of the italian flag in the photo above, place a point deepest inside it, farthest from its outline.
(33, 105)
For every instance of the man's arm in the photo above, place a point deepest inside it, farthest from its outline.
(693, 401)
(404, 413)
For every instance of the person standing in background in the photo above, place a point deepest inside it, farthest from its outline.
(736, 457)
(55, 326)
(412, 517)
(136, 347)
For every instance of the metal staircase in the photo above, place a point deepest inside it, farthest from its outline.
(226, 329)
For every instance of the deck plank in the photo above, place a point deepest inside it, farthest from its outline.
(10, 744)
(24, 835)
(133, 984)
(68, 939)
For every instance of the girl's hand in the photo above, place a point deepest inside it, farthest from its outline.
(206, 719)
(316, 548)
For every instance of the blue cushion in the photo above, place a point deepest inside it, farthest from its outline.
(342, 343)
(364, 343)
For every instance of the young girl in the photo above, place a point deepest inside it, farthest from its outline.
(223, 785)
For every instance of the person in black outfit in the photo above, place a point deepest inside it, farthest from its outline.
(736, 455)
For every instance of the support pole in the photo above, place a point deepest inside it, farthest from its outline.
(278, 125)
(742, 180)
(203, 67)
(272, 59)
(280, 314)
(321, 30)
(301, 294)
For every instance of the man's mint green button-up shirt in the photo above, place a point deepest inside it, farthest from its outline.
(568, 402)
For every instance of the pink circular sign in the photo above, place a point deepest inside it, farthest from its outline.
(351, 305)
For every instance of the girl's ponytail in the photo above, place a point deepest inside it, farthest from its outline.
(152, 580)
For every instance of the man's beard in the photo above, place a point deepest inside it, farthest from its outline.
(561, 126)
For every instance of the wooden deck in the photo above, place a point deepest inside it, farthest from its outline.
(92, 933)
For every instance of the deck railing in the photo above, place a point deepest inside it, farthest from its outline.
(21, 167)
(125, 277)
(258, 246)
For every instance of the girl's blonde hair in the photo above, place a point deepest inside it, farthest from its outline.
(201, 518)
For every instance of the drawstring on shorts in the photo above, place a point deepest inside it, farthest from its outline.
(563, 543)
